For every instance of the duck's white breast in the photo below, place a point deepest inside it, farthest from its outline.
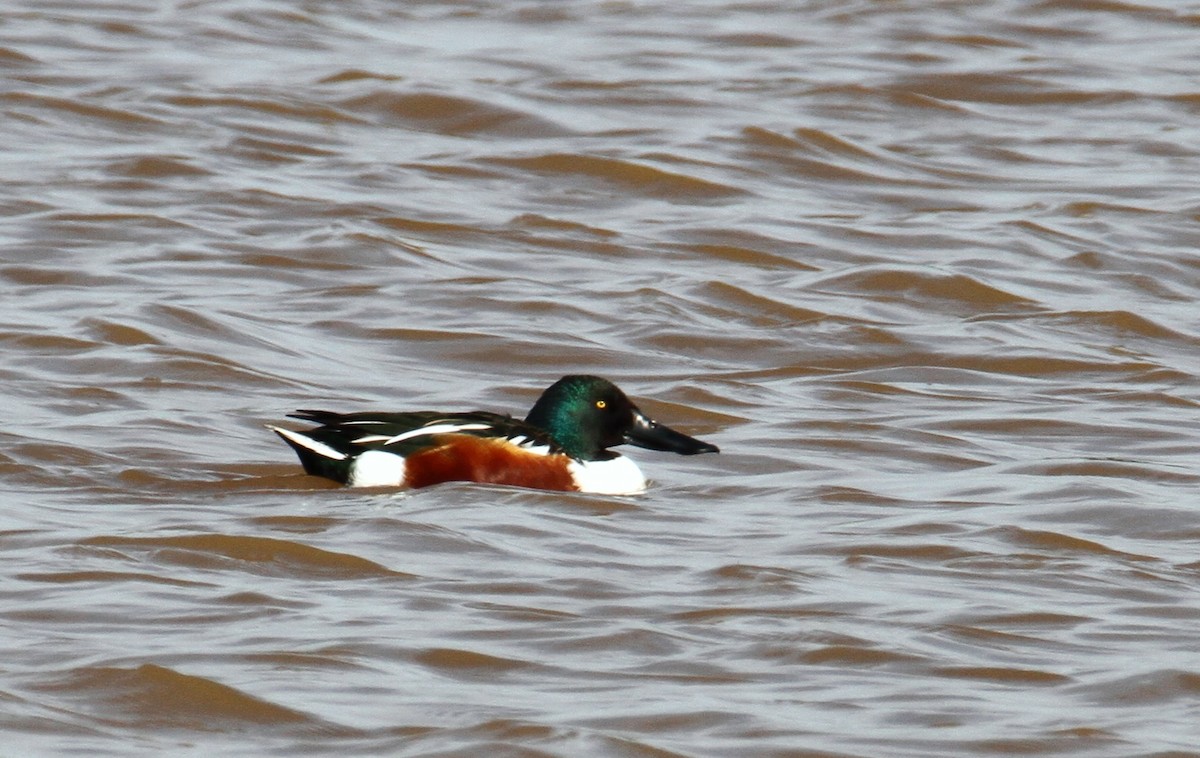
(619, 476)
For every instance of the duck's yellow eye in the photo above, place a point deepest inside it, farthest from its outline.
(601, 404)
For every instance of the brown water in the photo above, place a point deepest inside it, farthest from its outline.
(926, 271)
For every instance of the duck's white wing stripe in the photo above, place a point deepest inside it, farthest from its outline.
(368, 438)
(529, 445)
(320, 448)
(435, 429)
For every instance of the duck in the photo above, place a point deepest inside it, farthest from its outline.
(563, 444)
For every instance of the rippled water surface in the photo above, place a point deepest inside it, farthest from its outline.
(926, 271)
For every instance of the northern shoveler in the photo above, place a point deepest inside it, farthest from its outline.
(563, 444)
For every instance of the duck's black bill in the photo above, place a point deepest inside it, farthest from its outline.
(650, 434)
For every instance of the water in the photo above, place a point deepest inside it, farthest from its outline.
(926, 272)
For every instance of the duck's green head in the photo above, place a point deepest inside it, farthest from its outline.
(586, 415)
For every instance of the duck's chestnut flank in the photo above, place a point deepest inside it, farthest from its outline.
(463, 458)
